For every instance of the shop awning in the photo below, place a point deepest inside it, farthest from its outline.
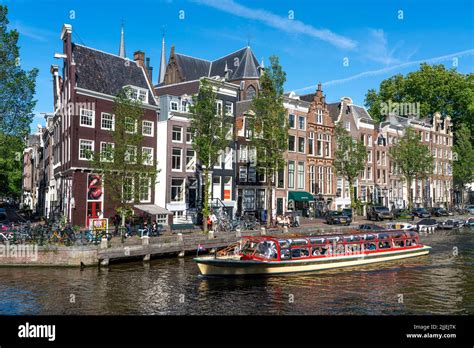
(152, 209)
(300, 196)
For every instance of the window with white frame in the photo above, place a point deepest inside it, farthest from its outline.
(319, 144)
(369, 156)
(216, 187)
(107, 121)
(291, 143)
(369, 173)
(130, 125)
(106, 152)
(347, 125)
(144, 193)
(147, 156)
(177, 190)
(87, 118)
(243, 153)
(291, 121)
(369, 140)
(229, 108)
(301, 123)
(139, 94)
(218, 107)
(176, 159)
(189, 136)
(86, 149)
(229, 153)
(177, 134)
(184, 105)
(312, 180)
(291, 174)
(319, 116)
(262, 177)
(301, 147)
(311, 143)
(174, 105)
(300, 175)
(242, 174)
(281, 178)
(147, 128)
(127, 189)
(131, 154)
(190, 160)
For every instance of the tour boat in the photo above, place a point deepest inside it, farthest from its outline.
(278, 255)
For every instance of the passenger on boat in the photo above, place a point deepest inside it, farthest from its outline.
(316, 251)
(398, 244)
(413, 242)
(408, 243)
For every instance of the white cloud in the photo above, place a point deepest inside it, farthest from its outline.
(37, 34)
(279, 22)
(377, 48)
(391, 68)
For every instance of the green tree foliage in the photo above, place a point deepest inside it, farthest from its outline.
(270, 135)
(210, 128)
(463, 158)
(17, 88)
(436, 88)
(349, 159)
(126, 170)
(412, 158)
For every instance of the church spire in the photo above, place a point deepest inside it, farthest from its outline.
(122, 44)
(161, 78)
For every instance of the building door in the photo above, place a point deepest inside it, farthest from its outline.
(279, 206)
(94, 211)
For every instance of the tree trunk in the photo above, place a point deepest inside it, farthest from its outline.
(351, 194)
(269, 205)
(409, 193)
(205, 209)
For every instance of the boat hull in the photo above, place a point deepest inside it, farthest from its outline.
(232, 266)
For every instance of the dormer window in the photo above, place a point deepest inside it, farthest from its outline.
(137, 93)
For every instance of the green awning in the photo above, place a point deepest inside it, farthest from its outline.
(299, 196)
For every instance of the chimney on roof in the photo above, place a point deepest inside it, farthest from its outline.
(139, 57)
(149, 69)
(122, 44)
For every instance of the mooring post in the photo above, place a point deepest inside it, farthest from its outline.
(285, 229)
(210, 235)
(263, 231)
(238, 233)
(104, 245)
(180, 241)
(145, 243)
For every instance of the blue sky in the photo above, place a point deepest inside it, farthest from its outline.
(374, 37)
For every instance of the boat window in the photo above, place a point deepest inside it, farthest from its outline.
(299, 242)
(369, 237)
(398, 243)
(317, 251)
(384, 244)
(267, 249)
(317, 240)
(284, 243)
(370, 246)
(300, 252)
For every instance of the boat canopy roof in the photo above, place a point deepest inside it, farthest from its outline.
(322, 239)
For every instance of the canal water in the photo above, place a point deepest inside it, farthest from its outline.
(440, 283)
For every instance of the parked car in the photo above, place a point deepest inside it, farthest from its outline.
(370, 227)
(470, 208)
(421, 213)
(3, 217)
(439, 212)
(348, 212)
(402, 214)
(379, 213)
(335, 217)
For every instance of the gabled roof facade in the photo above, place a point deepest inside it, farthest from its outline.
(107, 73)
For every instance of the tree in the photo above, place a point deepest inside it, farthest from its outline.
(126, 171)
(270, 135)
(17, 88)
(210, 129)
(412, 158)
(349, 159)
(436, 88)
(463, 159)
